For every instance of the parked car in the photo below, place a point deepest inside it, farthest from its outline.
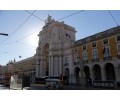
(54, 84)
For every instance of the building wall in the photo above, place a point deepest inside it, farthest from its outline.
(100, 49)
(113, 48)
(89, 50)
(102, 62)
(26, 66)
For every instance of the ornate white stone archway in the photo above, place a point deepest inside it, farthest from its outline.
(55, 42)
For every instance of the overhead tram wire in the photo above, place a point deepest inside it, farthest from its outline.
(20, 38)
(35, 16)
(58, 19)
(18, 27)
(37, 30)
(43, 21)
(71, 15)
(113, 18)
(28, 35)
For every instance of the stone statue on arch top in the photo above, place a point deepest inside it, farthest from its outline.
(49, 19)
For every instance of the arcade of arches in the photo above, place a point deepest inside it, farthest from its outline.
(96, 72)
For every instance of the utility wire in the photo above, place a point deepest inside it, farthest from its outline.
(34, 15)
(113, 17)
(28, 35)
(18, 27)
(21, 38)
(71, 15)
(43, 21)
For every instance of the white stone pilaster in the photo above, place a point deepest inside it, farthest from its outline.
(44, 67)
(60, 65)
(37, 68)
(41, 67)
(49, 65)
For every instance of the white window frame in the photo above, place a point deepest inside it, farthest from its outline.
(66, 59)
(84, 55)
(117, 44)
(95, 46)
(76, 57)
(85, 46)
(118, 51)
(107, 54)
(95, 54)
(105, 39)
(116, 38)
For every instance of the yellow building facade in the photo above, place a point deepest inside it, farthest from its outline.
(99, 55)
(26, 66)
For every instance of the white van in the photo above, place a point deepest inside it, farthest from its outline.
(53, 84)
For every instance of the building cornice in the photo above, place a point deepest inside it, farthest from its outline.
(98, 36)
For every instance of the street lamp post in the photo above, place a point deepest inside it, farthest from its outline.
(4, 34)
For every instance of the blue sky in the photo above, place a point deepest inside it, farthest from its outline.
(86, 23)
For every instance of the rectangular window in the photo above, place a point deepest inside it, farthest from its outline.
(118, 47)
(84, 47)
(105, 41)
(107, 52)
(76, 58)
(66, 60)
(85, 55)
(118, 38)
(94, 44)
(94, 54)
(75, 50)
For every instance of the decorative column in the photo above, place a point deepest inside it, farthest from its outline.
(37, 68)
(103, 73)
(60, 65)
(41, 67)
(49, 66)
(44, 67)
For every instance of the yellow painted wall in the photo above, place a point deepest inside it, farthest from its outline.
(113, 48)
(89, 51)
(100, 49)
(80, 51)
